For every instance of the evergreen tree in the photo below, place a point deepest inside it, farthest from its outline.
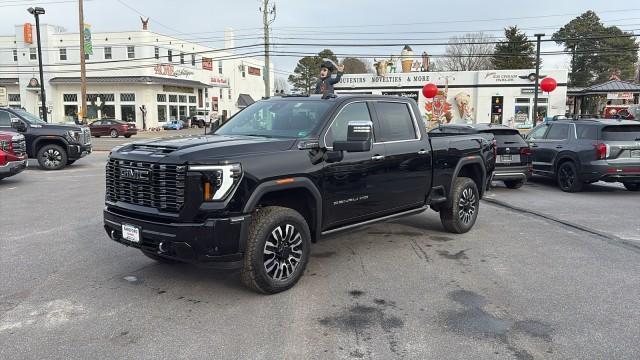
(515, 52)
(307, 70)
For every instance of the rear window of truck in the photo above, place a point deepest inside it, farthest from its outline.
(505, 137)
(621, 133)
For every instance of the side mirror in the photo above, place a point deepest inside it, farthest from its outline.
(359, 136)
(18, 125)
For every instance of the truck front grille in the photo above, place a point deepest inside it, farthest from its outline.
(158, 186)
(19, 145)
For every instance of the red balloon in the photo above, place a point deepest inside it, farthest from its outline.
(430, 91)
(548, 84)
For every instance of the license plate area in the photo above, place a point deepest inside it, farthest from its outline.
(131, 233)
(508, 158)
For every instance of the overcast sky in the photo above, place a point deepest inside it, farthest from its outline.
(327, 22)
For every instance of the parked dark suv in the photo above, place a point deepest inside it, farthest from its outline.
(512, 153)
(576, 152)
(53, 145)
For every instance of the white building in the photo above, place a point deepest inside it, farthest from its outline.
(497, 96)
(171, 78)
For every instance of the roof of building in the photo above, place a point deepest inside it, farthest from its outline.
(606, 87)
(152, 80)
(245, 100)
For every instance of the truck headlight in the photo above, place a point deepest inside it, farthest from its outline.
(73, 135)
(218, 180)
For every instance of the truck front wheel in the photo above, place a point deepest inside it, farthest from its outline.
(52, 157)
(461, 215)
(277, 250)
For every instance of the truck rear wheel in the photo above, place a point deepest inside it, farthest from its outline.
(277, 250)
(463, 212)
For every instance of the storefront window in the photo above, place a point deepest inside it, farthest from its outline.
(173, 98)
(70, 113)
(173, 112)
(108, 112)
(182, 98)
(192, 111)
(183, 113)
(521, 114)
(162, 113)
(128, 113)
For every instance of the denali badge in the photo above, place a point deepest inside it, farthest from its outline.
(134, 174)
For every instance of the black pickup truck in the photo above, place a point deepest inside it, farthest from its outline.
(54, 145)
(282, 173)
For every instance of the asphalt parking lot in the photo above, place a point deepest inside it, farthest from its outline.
(543, 275)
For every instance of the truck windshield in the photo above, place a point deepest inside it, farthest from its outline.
(284, 118)
(32, 119)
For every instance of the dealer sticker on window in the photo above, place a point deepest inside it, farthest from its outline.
(131, 233)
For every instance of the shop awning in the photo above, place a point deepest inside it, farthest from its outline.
(150, 80)
(9, 81)
(245, 100)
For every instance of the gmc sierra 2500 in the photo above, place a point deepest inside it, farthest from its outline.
(282, 173)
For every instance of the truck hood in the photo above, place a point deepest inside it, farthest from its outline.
(61, 127)
(200, 149)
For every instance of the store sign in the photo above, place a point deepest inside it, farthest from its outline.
(620, 96)
(502, 77)
(253, 70)
(168, 70)
(207, 63)
(27, 31)
(221, 82)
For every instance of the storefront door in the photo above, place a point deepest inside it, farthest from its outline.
(173, 112)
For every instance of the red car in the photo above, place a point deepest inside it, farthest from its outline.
(13, 154)
(113, 128)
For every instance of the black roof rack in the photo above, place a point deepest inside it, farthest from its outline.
(295, 95)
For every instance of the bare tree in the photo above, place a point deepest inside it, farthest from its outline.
(469, 52)
(280, 84)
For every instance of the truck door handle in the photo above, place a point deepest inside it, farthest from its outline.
(534, 145)
(377, 157)
(422, 152)
(559, 146)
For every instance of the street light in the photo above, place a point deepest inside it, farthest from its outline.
(36, 12)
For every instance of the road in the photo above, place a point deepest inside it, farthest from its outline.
(518, 286)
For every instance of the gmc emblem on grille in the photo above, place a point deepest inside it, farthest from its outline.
(134, 174)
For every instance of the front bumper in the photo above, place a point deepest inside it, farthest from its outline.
(77, 151)
(218, 243)
(12, 168)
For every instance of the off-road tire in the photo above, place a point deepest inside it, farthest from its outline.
(568, 177)
(632, 186)
(114, 133)
(456, 217)
(514, 184)
(264, 222)
(55, 154)
(159, 259)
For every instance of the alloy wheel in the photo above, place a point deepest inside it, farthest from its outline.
(467, 206)
(566, 176)
(282, 252)
(52, 158)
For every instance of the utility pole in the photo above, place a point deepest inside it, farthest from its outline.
(268, 17)
(83, 70)
(537, 84)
